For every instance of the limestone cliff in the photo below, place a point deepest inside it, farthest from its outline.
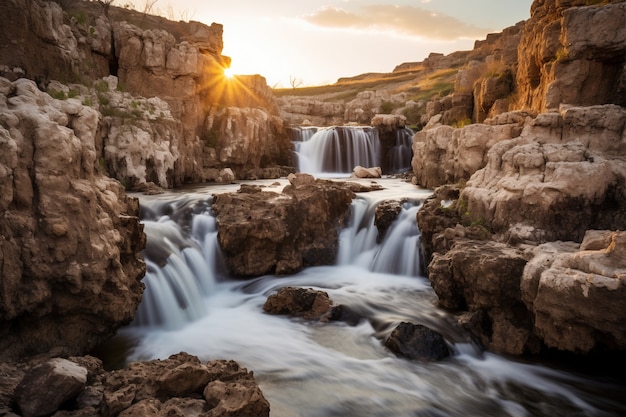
(70, 237)
(553, 170)
(155, 82)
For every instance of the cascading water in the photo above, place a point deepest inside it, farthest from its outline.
(310, 369)
(337, 150)
(401, 153)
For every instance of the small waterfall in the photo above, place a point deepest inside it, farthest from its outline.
(337, 150)
(401, 154)
(397, 253)
(183, 261)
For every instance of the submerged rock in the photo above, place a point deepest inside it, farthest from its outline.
(417, 342)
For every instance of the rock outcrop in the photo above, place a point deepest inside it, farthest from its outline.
(263, 232)
(505, 246)
(565, 59)
(180, 385)
(70, 237)
(157, 83)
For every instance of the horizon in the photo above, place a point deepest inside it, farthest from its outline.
(319, 42)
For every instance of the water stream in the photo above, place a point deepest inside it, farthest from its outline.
(313, 369)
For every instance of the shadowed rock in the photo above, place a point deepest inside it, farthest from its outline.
(417, 342)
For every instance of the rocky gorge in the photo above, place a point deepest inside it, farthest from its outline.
(524, 237)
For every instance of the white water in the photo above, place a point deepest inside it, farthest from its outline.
(337, 150)
(312, 369)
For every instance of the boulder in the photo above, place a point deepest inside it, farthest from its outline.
(577, 295)
(49, 385)
(417, 342)
(299, 302)
(385, 214)
(265, 232)
(362, 172)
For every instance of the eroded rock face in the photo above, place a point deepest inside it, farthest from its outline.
(577, 295)
(564, 58)
(71, 238)
(565, 174)
(262, 232)
(444, 155)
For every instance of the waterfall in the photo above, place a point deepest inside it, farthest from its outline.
(337, 150)
(183, 262)
(401, 154)
(183, 257)
(397, 253)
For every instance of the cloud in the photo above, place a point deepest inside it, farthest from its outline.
(403, 20)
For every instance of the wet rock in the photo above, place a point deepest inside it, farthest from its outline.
(49, 385)
(344, 314)
(299, 302)
(417, 342)
(267, 232)
(485, 276)
(386, 213)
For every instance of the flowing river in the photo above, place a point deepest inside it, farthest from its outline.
(315, 369)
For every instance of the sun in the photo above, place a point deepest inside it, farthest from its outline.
(228, 73)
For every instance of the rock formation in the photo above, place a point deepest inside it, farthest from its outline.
(69, 252)
(527, 243)
(299, 302)
(157, 83)
(180, 385)
(263, 232)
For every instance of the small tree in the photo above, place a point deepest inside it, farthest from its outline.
(295, 82)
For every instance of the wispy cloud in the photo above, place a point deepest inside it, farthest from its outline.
(404, 20)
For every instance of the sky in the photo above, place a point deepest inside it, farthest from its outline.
(316, 42)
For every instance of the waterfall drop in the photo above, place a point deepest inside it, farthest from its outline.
(337, 150)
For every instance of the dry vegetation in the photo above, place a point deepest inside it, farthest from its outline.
(420, 84)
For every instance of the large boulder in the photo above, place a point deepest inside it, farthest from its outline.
(262, 232)
(49, 385)
(70, 238)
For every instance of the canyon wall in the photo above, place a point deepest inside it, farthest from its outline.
(158, 85)
(70, 238)
(534, 223)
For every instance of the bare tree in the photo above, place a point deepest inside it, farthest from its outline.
(105, 6)
(295, 82)
(147, 8)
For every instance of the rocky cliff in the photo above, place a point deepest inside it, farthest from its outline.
(70, 238)
(155, 82)
(551, 170)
